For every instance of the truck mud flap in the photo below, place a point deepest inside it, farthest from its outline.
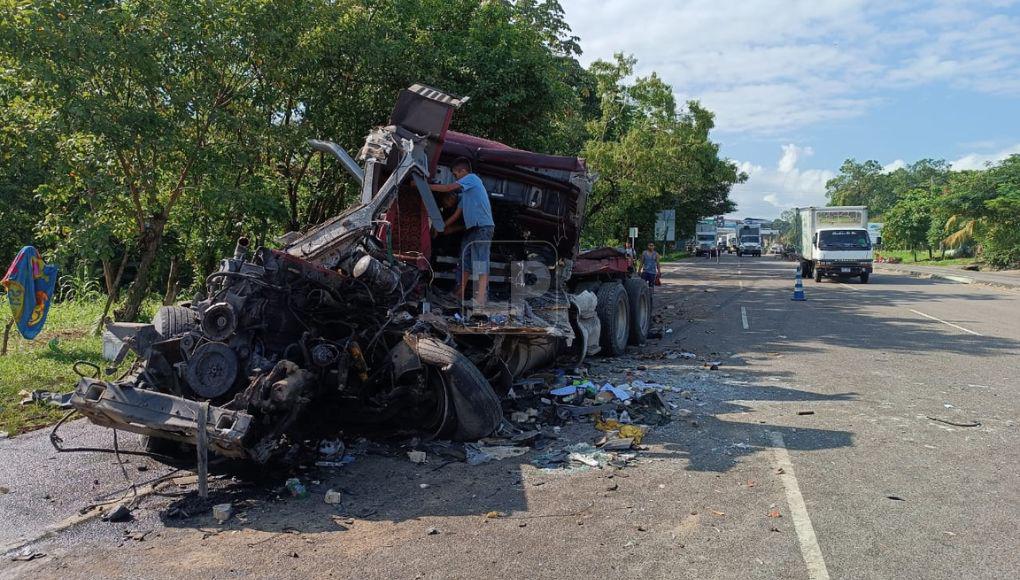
(160, 415)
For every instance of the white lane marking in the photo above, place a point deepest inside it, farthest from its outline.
(741, 283)
(743, 317)
(944, 322)
(809, 548)
(850, 287)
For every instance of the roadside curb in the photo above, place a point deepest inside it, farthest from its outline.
(950, 277)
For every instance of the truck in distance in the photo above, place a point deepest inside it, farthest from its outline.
(704, 238)
(834, 242)
(749, 240)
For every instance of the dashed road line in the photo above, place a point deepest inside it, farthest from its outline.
(850, 287)
(743, 317)
(945, 322)
(809, 548)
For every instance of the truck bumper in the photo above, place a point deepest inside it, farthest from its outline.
(161, 415)
(842, 269)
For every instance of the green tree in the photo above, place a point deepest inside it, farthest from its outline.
(908, 221)
(650, 156)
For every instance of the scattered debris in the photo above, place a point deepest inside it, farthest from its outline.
(494, 515)
(60, 400)
(121, 513)
(805, 412)
(895, 498)
(26, 555)
(333, 497)
(296, 488)
(4, 434)
(775, 514)
(432, 531)
(221, 512)
(418, 457)
(478, 454)
(4, 490)
(955, 423)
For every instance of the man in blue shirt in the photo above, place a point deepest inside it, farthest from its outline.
(477, 212)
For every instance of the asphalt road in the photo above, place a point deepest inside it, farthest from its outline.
(811, 453)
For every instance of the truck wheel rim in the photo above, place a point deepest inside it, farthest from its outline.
(621, 323)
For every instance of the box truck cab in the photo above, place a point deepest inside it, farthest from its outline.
(704, 238)
(834, 242)
(749, 240)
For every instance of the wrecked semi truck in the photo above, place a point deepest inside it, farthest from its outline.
(350, 327)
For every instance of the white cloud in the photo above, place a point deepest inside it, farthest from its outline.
(981, 160)
(769, 191)
(768, 67)
(897, 164)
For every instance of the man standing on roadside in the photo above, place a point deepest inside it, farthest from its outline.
(650, 268)
(477, 213)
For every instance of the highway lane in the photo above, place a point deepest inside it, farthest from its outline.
(957, 498)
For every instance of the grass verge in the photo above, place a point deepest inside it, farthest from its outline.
(922, 258)
(46, 362)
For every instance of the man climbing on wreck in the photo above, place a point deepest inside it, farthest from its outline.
(474, 207)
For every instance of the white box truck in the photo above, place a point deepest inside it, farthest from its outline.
(834, 242)
(704, 238)
(749, 240)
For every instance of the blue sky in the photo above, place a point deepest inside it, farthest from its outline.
(799, 86)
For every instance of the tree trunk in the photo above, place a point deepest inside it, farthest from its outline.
(172, 284)
(111, 296)
(930, 255)
(7, 336)
(914, 251)
(150, 243)
(108, 277)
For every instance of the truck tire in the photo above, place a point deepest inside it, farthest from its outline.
(476, 409)
(640, 297)
(614, 315)
(173, 320)
(864, 277)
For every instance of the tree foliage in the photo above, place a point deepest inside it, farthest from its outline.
(154, 134)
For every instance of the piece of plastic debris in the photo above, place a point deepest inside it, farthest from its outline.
(618, 444)
(333, 497)
(345, 460)
(26, 555)
(221, 512)
(519, 417)
(805, 412)
(296, 488)
(4, 490)
(633, 432)
(418, 457)
(493, 515)
(669, 331)
(424, 486)
(4, 434)
(618, 392)
(625, 417)
(476, 454)
(432, 531)
(775, 514)
(683, 412)
(330, 448)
